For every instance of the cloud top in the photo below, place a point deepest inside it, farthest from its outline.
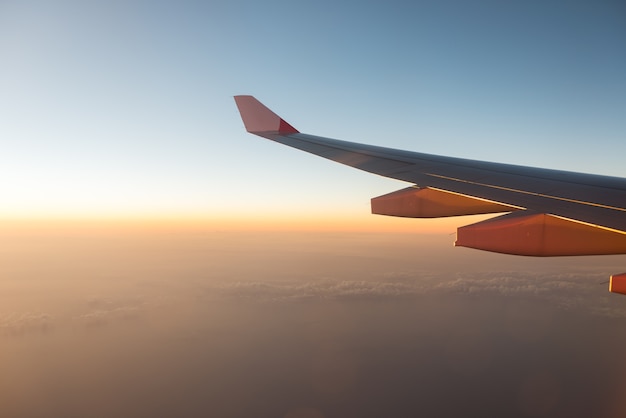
(566, 290)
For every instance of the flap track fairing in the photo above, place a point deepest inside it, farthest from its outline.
(540, 234)
(427, 202)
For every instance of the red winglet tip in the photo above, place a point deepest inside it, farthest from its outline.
(258, 118)
(286, 128)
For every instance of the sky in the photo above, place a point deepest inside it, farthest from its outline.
(157, 260)
(124, 109)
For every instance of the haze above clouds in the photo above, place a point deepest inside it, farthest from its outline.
(194, 323)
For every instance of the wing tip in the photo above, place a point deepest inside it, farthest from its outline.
(259, 118)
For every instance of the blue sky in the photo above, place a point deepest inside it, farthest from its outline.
(124, 108)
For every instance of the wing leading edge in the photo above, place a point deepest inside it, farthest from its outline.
(548, 212)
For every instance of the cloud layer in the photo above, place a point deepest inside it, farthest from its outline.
(566, 290)
(16, 324)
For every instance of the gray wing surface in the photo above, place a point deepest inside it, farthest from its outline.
(598, 200)
(594, 199)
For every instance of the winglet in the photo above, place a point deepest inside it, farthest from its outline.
(259, 118)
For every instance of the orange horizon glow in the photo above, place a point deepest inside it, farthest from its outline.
(343, 223)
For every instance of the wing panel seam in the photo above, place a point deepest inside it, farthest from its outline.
(564, 199)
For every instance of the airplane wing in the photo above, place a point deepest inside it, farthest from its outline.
(546, 212)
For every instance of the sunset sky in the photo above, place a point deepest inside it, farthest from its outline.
(157, 260)
(124, 109)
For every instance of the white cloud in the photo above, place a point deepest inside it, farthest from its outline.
(317, 289)
(102, 317)
(566, 290)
